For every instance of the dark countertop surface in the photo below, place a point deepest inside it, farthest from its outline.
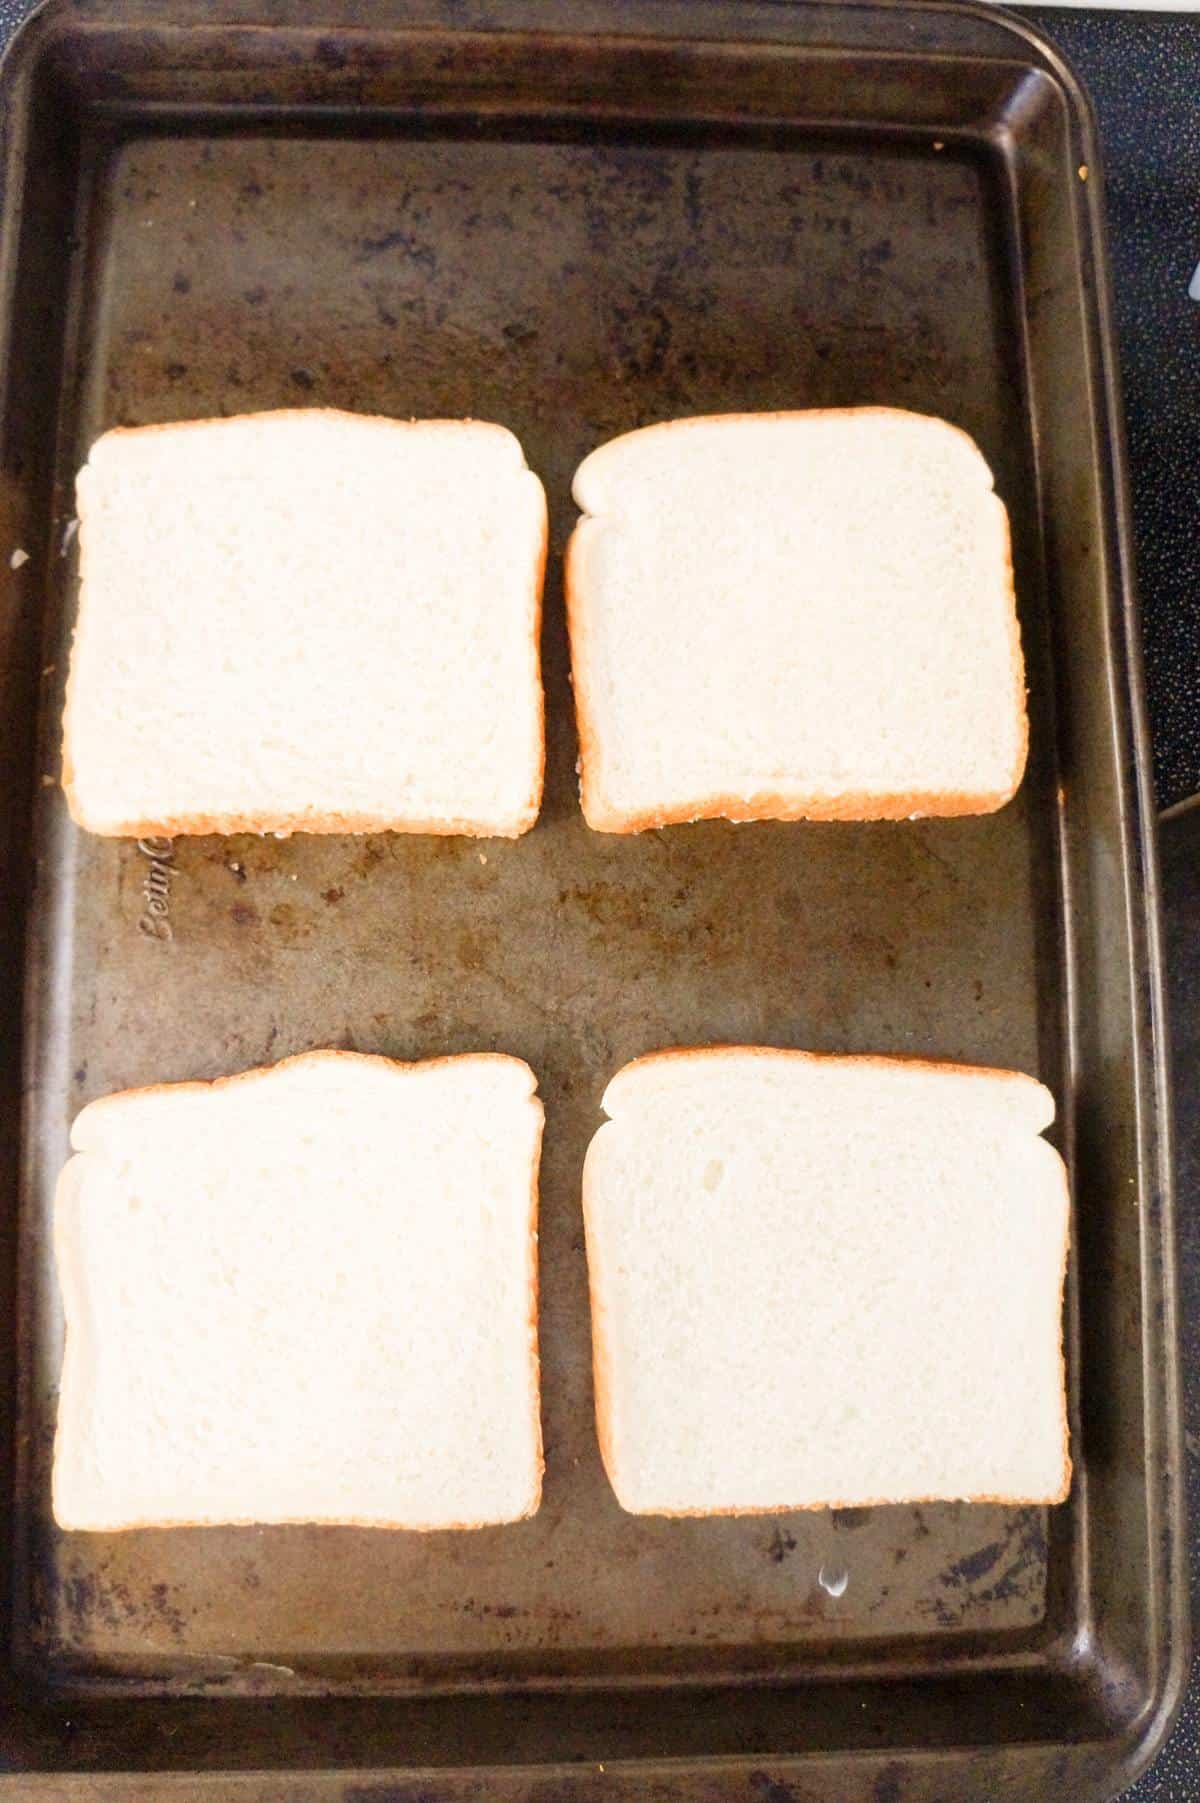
(1143, 72)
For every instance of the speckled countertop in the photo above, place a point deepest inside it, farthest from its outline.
(1143, 71)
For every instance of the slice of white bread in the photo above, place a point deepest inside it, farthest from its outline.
(307, 621)
(822, 1282)
(303, 1294)
(787, 616)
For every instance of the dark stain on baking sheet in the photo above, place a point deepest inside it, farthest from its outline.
(571, 291)
(1006, 1569)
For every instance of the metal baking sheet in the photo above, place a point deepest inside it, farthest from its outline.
(576, 220)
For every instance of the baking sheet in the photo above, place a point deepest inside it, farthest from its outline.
(574, 272)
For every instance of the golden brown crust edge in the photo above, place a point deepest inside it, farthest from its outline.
(76, 1326)
(384, 1524)
(284, 823)
(73, 1313)
(872, 410)
(602, 1387)
(852, 1502)
(528, 817)
(853, 805)
(577, 638)
(230, 420)
(1016, 654)
(534, 1292)
(908, 1060)
(601, 1358)
(318, 1055)
(743, 810)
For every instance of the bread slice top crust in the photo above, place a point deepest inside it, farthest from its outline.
(307, 621)
(793, 616)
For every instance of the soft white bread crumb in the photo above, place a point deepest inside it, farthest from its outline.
(825, 1282)
(306, 1293)
(307, 621)
(793, 615)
